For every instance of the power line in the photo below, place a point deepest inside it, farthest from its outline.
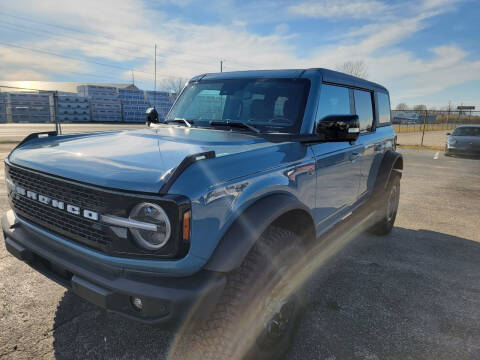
(85, 40)
(115, 39)
(57, 35)
(35, 32)
(69, 57)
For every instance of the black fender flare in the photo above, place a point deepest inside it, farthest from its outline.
(247, 228)
(392, 161)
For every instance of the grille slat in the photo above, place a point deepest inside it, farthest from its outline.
(74, 227)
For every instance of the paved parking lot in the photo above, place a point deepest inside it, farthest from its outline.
(414, 294)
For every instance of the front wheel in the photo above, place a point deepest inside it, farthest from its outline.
(389, 206)
(256, 315)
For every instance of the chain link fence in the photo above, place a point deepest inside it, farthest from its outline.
(429, 127)
(432, 120)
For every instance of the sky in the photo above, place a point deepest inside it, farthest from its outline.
(423, 51)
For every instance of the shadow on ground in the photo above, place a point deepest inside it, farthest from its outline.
(414, 294)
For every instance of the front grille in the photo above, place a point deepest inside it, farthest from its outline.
(70, 225)
(111, 240)
(57, 189)
(74, 227)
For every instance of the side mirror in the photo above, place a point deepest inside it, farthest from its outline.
(449, 133)
(339, 128)
(152, 116)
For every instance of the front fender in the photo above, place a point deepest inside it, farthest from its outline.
(247, 228)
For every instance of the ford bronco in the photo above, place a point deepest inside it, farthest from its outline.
(210, 216)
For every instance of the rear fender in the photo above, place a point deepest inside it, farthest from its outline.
(392, 162)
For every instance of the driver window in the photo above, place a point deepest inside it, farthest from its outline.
(334, 100)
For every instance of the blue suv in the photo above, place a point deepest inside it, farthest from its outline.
(212, 219)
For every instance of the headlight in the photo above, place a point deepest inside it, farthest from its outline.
(451, 141)
(155, 215)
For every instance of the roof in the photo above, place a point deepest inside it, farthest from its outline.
(468, 125)
(327, 76)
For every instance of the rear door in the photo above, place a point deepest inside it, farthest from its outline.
(337, 172)
(368, 140)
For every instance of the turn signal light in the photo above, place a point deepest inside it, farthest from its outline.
(186, 225)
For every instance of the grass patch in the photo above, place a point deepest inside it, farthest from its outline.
(9, 141)
(424, 147)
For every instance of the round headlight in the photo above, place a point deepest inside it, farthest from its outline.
(153, 214)
(451, 141)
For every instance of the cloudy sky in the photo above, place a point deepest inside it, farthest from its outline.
(423, 51)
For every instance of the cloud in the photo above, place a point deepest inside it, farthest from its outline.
(24, 74)
(122, 34)
(339, 8)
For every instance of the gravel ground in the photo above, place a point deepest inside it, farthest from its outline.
(414, 294)
(431, 138)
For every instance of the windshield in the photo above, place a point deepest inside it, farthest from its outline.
(467, 131)
(270, 105)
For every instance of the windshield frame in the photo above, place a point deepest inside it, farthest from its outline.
(264, 129)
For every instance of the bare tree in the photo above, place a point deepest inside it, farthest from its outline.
(355, 68)
(420, 107)
(173, 84)
(402, 106)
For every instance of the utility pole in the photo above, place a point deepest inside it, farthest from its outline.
(449, 109)
(155, 81)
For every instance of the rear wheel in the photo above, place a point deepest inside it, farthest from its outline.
(257, 313)
(389, 206)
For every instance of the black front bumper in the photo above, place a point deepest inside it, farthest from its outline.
(167, 302)
(464, 152)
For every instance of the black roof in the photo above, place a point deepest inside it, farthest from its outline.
(327, 76)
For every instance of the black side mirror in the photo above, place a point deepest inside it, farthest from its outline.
(152, 116)
(339, 128)
(449, 133)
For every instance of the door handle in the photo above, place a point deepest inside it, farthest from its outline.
(354, 156)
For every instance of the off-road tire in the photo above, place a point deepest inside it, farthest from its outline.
(388, 203)
(234, 330)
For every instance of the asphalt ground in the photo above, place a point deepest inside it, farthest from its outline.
(414, 294)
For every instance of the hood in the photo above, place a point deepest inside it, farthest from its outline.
(136, 160)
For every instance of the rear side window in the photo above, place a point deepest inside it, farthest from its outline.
(364, 109)
(334, 100)
(383, 108)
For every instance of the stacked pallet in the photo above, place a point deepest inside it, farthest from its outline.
(72, 108)
(134, 105)
(29, 107)
(161, 100)
(104, 103)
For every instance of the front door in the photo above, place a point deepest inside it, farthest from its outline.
(336, 163)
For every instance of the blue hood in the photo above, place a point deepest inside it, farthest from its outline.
(136, 160)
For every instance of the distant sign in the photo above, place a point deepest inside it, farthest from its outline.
(465, 107)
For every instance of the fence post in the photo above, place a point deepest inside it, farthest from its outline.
(58, 127)
(424, 123)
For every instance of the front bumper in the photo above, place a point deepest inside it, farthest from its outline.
(450, 150)
(167, 302)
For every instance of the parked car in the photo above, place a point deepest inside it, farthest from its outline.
(207, 218)
(465, 140)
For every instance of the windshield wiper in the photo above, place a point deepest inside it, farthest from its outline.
(181, 121)
(235, 124)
